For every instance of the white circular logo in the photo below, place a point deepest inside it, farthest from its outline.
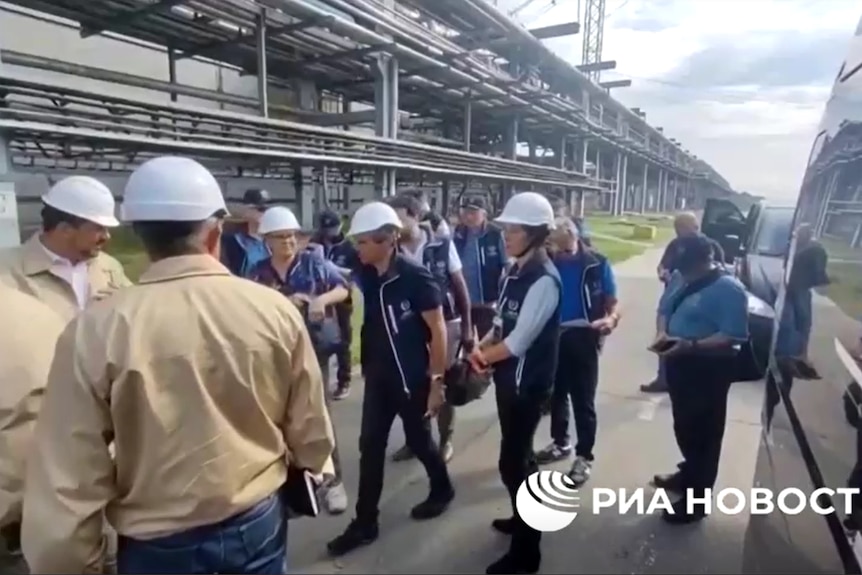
(547, 501)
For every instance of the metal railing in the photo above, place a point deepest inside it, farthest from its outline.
(48, 122)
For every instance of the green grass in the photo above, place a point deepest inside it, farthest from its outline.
(127, 249)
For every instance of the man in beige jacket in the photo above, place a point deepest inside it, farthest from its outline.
(206, 383)
(64, 265)
(27, 344)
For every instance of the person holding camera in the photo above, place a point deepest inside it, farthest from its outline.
(315, 287)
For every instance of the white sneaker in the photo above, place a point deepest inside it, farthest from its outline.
(580, 471)
(335, 498)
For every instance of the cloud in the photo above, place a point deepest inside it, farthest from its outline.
(741, 83)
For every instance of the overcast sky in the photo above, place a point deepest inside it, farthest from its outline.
(741, 83)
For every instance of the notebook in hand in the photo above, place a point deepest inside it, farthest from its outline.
(300, 493)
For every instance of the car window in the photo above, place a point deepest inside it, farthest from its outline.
(772, 237)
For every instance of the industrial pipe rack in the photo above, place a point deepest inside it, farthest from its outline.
(337, 43)
(51, 125)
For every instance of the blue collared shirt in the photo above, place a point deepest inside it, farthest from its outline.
(721, 307)
(310, 274)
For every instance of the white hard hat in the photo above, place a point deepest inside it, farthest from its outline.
(277, 219)
(528, 209)
(172, 189)
(84, 197)
(372, 217)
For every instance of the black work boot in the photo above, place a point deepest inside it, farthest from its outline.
(357, 534)
(505, 526)
(516, 562)
(669, 482)
(655, 386)
(435, 505)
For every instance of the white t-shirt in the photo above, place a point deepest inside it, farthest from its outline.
(454, 265)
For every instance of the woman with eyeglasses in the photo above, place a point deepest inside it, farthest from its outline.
(315, 286)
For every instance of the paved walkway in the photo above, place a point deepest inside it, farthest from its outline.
(635, 441)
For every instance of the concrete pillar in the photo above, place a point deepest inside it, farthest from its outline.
(644, 189)
(386, 116)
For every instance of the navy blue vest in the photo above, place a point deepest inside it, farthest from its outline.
(536, 370)
(406, 331)
(492, 262)
(342, 252)
(435, 257)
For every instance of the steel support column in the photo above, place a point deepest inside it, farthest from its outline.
(386, 116)
(468, 122)
(644, 189)
(511, 152)
(662, 191)
(172, 71)
(262, 87)
(623, 185)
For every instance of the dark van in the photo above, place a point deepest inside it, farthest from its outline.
(812, 414)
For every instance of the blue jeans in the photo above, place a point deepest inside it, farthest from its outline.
(254, 541)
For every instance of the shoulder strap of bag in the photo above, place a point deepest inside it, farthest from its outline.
(694, 287)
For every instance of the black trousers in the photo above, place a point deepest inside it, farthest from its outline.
(698, 386)
(519, 418)
(344, 313)
(385, 398)
(577, 379)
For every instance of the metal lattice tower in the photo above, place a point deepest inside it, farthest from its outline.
(594, 31)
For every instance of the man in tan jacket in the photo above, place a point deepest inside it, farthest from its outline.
(206, 383)
(27, 344)
(64, 265)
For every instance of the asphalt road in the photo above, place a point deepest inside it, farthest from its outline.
(635, 441)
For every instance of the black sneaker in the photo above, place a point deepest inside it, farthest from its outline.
(553, 453)
(341, 392)
(516, 563)
(434, 506)
(655, 386)
(355, 536)
(505, 526)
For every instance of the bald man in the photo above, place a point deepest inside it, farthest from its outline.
(685, 224)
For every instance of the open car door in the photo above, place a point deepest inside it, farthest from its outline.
(724, 222)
